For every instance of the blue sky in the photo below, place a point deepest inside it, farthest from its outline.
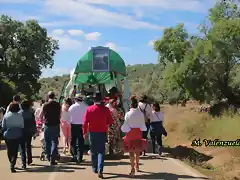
(127, 26)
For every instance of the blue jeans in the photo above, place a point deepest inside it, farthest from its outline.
(51, 134)
(97, 146)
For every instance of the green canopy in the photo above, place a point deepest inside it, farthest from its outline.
(85, 75)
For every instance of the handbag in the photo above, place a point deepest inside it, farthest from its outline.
(13, 133)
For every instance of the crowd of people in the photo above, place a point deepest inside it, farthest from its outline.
(75, 121)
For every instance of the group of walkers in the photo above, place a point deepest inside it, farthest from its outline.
(99, 123)
(18, 129)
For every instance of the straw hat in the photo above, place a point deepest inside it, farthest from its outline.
(78, 97)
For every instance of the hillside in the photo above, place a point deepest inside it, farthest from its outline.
(141, 77)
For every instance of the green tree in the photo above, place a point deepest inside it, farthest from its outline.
(173, 45)
(25, 50)
(204, 68)
(215, 58)
(172, 48)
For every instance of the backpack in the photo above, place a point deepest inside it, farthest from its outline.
(145, 114)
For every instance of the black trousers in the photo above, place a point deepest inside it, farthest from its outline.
(77, 141)
(145, 133)
(26, 149)
(156, 131)
(157, 138)
(12, 150)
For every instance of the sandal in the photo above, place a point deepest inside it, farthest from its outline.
(64, 151)
(132, 173)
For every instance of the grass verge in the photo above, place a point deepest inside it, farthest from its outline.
(183, 126)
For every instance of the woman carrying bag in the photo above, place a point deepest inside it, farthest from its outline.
(13, 125)
(156, 128)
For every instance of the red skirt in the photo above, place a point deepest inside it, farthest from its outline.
(133, 141)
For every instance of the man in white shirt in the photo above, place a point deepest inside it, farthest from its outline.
(76, 114)
(146, 109)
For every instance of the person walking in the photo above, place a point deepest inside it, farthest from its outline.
(38, 111)
(97, 119)
(76, 115)
(156, 128)
(13, 125)
(51, 113)
(133, 142)
(114, 134)
(65, 125)
(16, 100)
(28, 132)
(146, 109)
(39, 121)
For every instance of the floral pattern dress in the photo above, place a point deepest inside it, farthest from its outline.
(114, 134)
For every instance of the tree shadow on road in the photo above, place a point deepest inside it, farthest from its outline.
(115, 163)
(36, 157)
(183, 152)
(149, 175)
(153, 157)
(112, 157)
(59, 168)
(67, 161)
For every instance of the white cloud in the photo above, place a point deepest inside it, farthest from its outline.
(151, 42)
(189, 5)
(92, 36)
(111, 45)
(116, 47)
(75, 32)
(56, 23)
(86, 14)
(67, 43)
(58, 32)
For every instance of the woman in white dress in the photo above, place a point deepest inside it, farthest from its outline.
(133, 142)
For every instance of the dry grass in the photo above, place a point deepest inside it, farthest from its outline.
(183, 126)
